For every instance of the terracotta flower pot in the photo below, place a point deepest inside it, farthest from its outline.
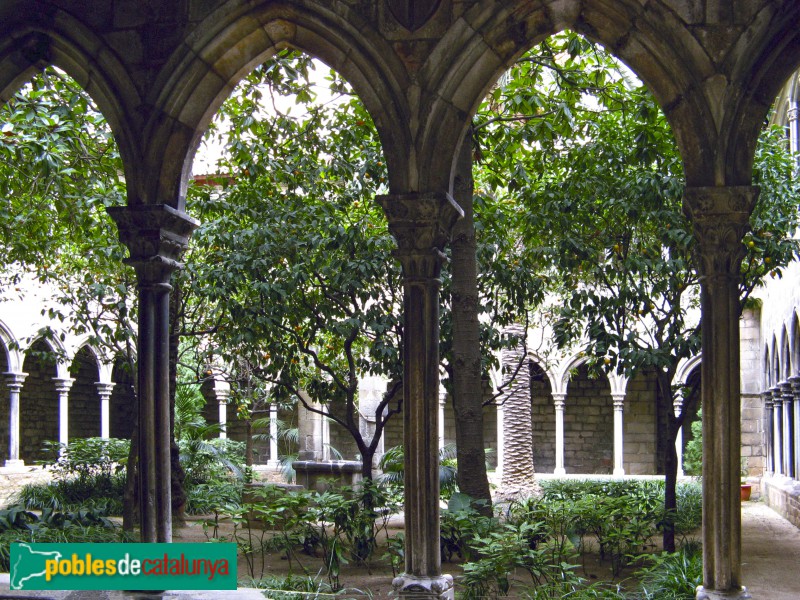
(746, 489)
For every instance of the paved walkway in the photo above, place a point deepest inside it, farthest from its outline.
(770, 554)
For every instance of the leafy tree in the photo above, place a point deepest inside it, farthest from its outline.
(586, 158)
(292, 261)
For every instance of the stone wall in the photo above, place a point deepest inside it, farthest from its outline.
(588, 425)
(38, 406)
(84, 401)
(783, 495)
(639, 427)
(543, 422)
(123, 403)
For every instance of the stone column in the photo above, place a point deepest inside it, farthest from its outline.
(677, 407)
(309, 426)
(777, 430)
(274, 460)
(62, 389)
(421, 224)
(559, 400)
(619, 434)
(720, 218)
(156, 236)
(442, 403)
(222, 394)
(795, 381)
(794, 127)
(501, 440)
(787, 398)
(14, 383)
(768, 430)
(104, 391)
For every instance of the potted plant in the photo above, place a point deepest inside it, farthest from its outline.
(746, 488)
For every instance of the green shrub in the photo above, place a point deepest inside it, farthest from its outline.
(85, 525)
(672, 576)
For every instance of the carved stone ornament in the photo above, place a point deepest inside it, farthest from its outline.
(421, 225)
(412, 14)
(720, 218)
(156, 236)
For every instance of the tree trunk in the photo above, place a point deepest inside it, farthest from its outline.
(466, 368)
(519, 475)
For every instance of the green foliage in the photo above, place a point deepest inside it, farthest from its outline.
(461, 524)
(392, 465)
(693, 452)
(672, 576)
(83, 525)
(87, 473)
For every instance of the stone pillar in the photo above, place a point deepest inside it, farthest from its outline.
(442, 403)
(14, 383)
(677, 407)
(421, 224)
(104, 391)
(559, 400)
(222, 392)
(619, 448)
(309, 429)
(795, 381)
(720, 218)
(768, 408)
(794, 127)
(62, 389)
(274, 460)
(156, 236)
(777, 430)
(501, 440)
(787, 398)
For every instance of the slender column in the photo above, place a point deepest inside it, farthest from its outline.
(768, 430)
(222, 393)
(442, 402)
(720, 218)
(14, 383)
(787, 397)
(501, 439)
(794, 127)
(156, 236)
(421, 224)
(62, 389)
(677, 406)
(104, 391)
(777, 431)
(273, 461)
(795, 381)
(619, 449)
(559, 400)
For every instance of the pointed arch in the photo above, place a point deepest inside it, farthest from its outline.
(11, 348)
(685, 369)
(232, 41)
(786, 357)
(59, 39)
(795, 344)
(563, 371)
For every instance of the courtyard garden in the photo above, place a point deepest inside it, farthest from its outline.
(592, 538)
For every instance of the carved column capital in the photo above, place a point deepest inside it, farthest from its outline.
(14, 381)
(63, 385)
(421, 224)
(794, 381)
(720, 218)
(104, 389)
(156, 237)
(767, 399)
(559, 400)
(618, 400)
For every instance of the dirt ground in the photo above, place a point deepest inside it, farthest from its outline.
(374, 580)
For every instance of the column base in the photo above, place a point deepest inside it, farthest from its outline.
(560, 471)
(15, 464)
(704, 594)
(618, 472)
(423, 588)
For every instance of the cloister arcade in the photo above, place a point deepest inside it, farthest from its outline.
(158, 73)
